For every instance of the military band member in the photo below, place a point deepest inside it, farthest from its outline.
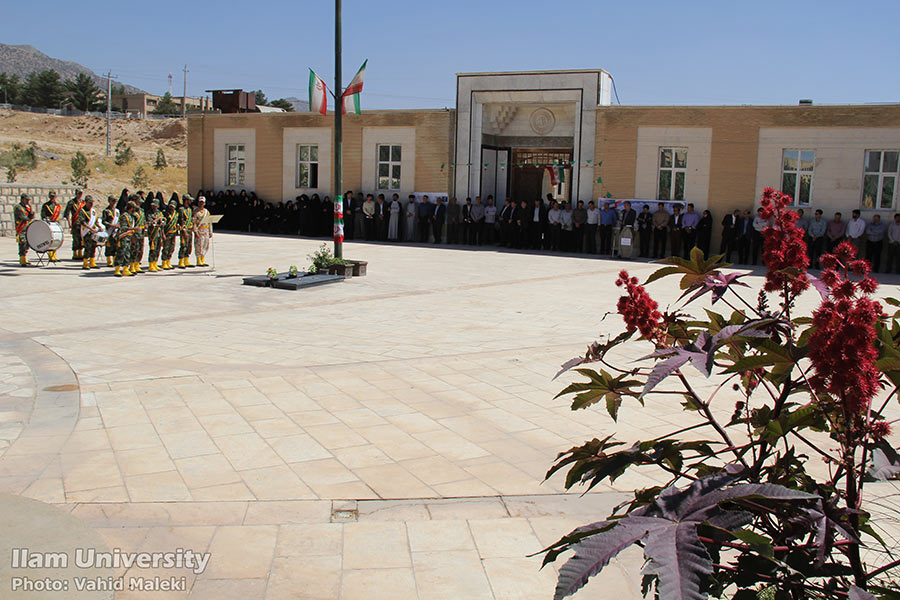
(70, 213)
(110, 219)
(202, 232)
(186, 224)
(24, 215)
(170, 232)
(137, 240)
(86, 222)
(155, 225)
(126, 232)
(51, 211)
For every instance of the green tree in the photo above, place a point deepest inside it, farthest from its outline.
(282, 103)
(124, 154)
(118, 89)
(80, 170)
(167, 106)
(43, 89)
(261, 98)
(10, 87)
(140, 179)
(18, 159)
(160, 160)
(84, 93)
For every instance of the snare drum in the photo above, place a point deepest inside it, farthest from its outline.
(44, 236)
(102, 237)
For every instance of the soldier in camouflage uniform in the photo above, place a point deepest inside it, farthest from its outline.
(137, 241)
(24, 215)
(170, 232)
(70, 213)
(155, 224)
(50, 211)
(126, 231)
(86, 222)
(186, 224)
(110, 220)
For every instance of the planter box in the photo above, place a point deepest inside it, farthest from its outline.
(286, 282)
(359, 267)
(345, 270)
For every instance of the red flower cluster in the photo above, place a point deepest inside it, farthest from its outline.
(637, 308)
(783, 245)
(842, 348)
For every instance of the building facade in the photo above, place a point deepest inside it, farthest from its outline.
(523, 135)
(143, 104)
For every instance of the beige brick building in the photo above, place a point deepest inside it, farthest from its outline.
(527, 134)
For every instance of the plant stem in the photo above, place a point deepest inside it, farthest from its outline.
(881, 570)
(712, 420)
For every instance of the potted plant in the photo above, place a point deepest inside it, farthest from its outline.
(359, 267)
(272, 275)
(323, 261)
(293, 272)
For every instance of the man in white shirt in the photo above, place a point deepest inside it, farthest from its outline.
(759, 225)
(565, 224)
(553, 225)
(856, 230)
(593, 220)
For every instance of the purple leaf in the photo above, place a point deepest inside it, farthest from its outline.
(717, 283)
(860, 594)
(819, 286)
(665, 368)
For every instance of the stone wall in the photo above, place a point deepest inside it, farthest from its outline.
(9, 197)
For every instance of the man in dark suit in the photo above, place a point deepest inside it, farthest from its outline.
(438, 216)
(505, 220)
(466, 221)
(729, 233)
(745, 234)
(537, 223)
(348, 214)
(520, 225)
(381, 218)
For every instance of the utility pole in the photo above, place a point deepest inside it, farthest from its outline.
(338, 194)
(184, 94)
(108, 111)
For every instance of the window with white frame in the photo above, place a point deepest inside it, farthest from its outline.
(307, 166)
(880, 178)
(235, 164)
(672, 173)
(797, 167)
(388, 167)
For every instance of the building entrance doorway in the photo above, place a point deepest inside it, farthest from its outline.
(538, 172)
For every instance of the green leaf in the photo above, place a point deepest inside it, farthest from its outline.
(601, 386)
(760, 544)
(693, 271)
(612, 406)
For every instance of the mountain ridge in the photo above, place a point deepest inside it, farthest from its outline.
(24, 59)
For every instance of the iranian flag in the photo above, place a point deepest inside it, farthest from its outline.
(318, 101)
(557, 175)
(350, 97)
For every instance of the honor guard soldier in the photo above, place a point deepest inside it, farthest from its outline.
(86, 222)
(186, 223)
(110, 219)
(137, 240)
(126, 231)
(155, 225)
(202, 232)
(170, 232)
(51, 211)
(24, 215)
(70, 213)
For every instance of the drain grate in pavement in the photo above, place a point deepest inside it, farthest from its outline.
(344, 515)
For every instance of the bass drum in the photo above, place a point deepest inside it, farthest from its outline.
(43, 236)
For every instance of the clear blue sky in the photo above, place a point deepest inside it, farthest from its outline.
(659, 52)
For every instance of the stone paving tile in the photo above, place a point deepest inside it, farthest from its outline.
(234, 432)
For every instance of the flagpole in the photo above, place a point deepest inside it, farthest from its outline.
(338, 194)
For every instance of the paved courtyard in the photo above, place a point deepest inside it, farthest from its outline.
(384, 437)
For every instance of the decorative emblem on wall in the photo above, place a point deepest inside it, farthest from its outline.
(542, 121)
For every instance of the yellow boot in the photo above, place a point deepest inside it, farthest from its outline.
(126, 272)
(23, 261)
(187, 262)
(136, 268)
(85, 263)
(109, 261)
(168, 265)
(150, 267)
(118, 272)
(181, 264)
(201, 261)
(94, 263)
(154, 267)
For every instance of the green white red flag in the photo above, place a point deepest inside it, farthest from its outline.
(350, 97)
(318, 99)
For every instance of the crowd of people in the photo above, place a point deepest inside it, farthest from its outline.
(120, 229)
(128, 220)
